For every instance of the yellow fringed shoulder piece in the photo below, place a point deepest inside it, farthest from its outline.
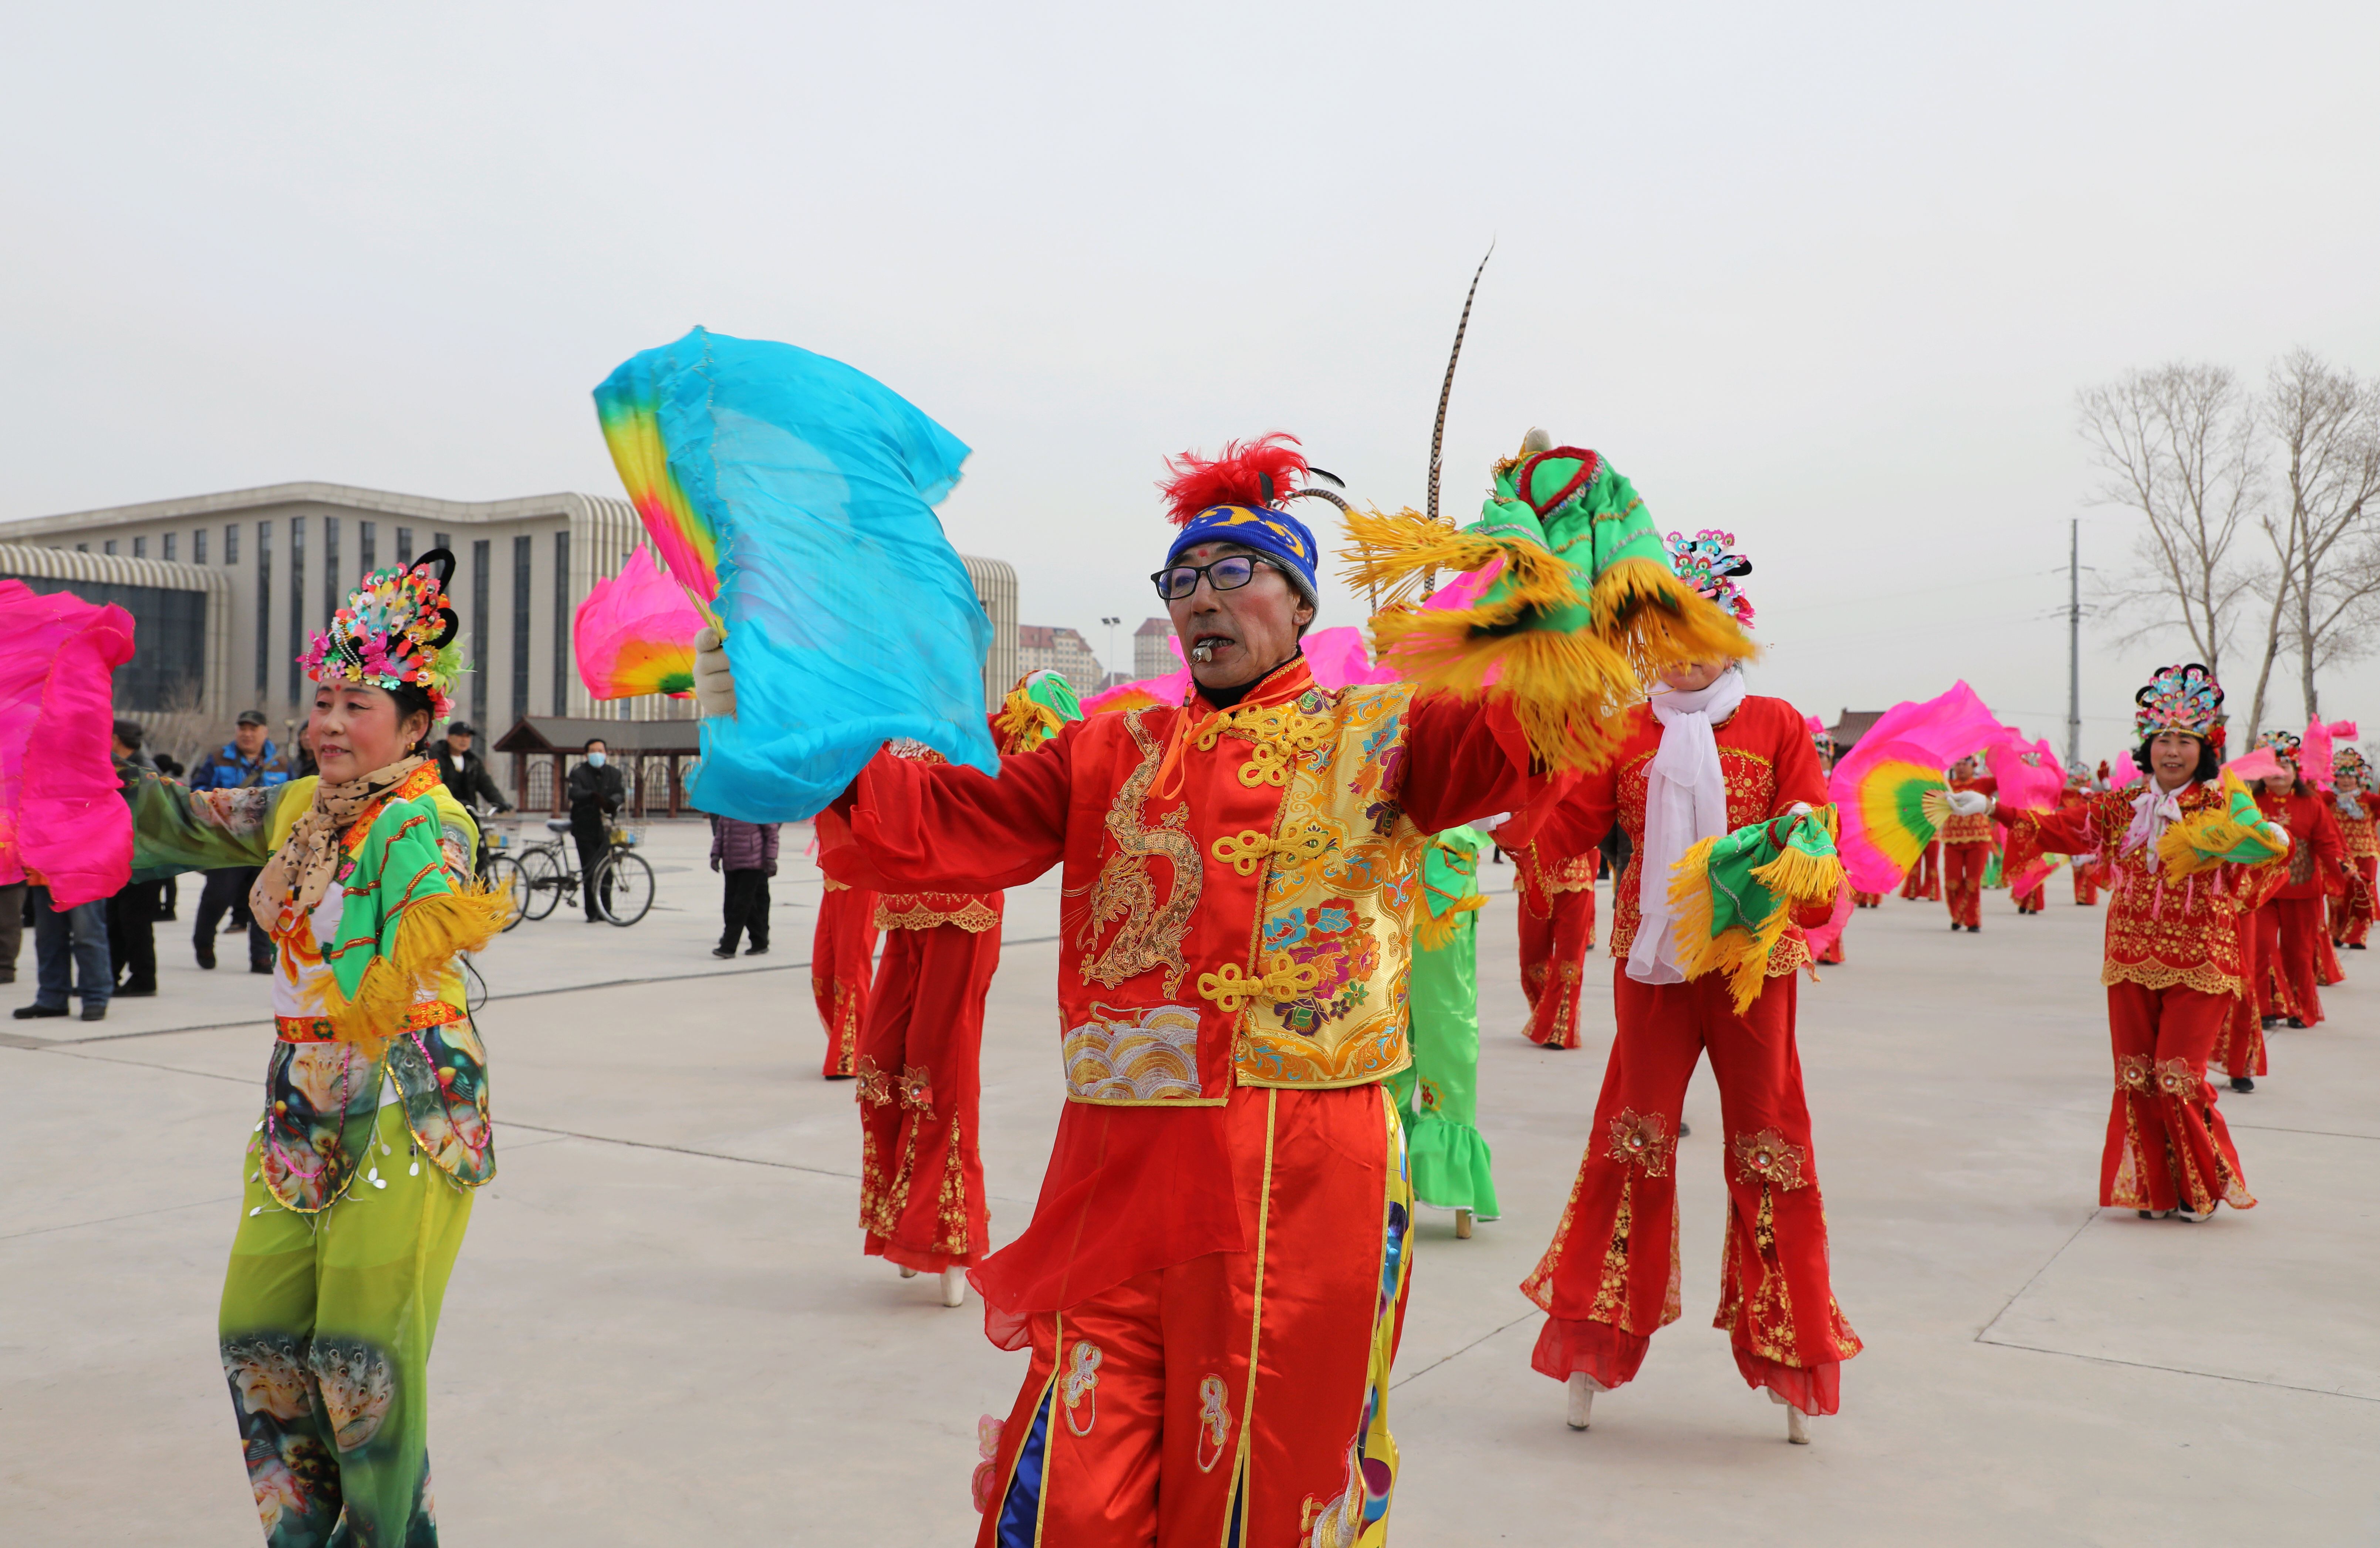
(1025, 721)
(432, 933)
(1438, 930)
(1396, 551)
(1801, 876)
(1657, 620)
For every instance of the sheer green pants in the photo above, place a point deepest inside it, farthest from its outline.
(1441, 1092)
(326, 1326)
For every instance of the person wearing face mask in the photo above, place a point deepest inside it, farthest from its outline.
(2188, 855)
(1702, 760)
(597, 793)
(357, 1182)
(1212, 1284)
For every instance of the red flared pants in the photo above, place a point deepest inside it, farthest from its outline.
(1610, 1277)
(843, 957)
(1553, 966)
(920, 1170)
(2167, 1148)
(1962, 881)
(1243, 1390)
(2286, 928)
(1925, 878)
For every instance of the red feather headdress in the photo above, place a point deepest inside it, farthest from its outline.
(1239, 477)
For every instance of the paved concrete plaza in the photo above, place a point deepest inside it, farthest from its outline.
(662, 1330)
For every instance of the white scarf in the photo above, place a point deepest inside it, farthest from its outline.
(2152, 809)
(1685, 802)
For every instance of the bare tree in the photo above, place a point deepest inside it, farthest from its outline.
(2326, 426)
(2178, 444)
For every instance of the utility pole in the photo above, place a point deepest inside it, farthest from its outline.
(2074, 642)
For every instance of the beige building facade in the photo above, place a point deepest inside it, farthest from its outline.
(272, 564)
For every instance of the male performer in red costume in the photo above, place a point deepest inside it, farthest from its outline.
(1212, 1279)
(1703, 759)
(2290, 921)
(1557, 932)
(1966, 843)
(842, 958)
(2355, 806)
(2183, 854)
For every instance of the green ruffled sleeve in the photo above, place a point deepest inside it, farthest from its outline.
(175, 829)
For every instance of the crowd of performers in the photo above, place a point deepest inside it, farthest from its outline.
(1269, 1001)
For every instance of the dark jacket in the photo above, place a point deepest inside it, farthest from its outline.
(466, 776)
(743, 846)
(595, 794)
(225, 770)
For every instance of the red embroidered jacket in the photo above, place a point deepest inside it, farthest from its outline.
(2161, 933)
(1765, 752)
(2317, 850)
(1976, 829)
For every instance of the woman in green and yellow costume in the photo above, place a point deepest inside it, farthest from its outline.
(1440, 1090)
(357, 1182)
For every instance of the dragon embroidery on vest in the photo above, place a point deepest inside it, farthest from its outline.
(1148, 937)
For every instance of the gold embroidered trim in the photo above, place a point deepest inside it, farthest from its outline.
(1146, 935)
(1769, 1157)
(1283, 980)
(1278, 734)
(1642, 1141)
(2204, 977)
(975, 919)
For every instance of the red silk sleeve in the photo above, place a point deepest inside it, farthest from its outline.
(1464, 759)
(909, 825)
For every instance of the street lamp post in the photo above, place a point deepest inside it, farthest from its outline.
(1112, 671)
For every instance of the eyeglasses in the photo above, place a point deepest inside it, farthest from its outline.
(1226, 574)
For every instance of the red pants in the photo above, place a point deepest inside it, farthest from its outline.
(2240, 1047)
(2349, 931)
(2035, 899)
(1139, 1423)
(2167, 1148)
(1610, 1277)
(2286, 928)
(2086, 881)
(843, 955)
(1553, 961)
(920, 1167)
(1925, 878)
(1962, 881)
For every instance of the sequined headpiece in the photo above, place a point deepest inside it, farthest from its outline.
(396, 629)
(2349, 764)
(2184, 698)
(1708, 563)
(2284, 744)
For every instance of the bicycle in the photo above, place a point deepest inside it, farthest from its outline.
(622, 884)
(496, 866)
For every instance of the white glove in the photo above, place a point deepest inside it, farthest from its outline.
(714, 679)
(1963, 803)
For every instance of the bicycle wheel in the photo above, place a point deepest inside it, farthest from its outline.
(541, 878)
(624, 887)
(503, 871)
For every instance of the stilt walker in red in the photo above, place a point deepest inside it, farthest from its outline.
(842, 965)
(2292, 921)
(1704, 763)
(1557, 932)
(2185, 851)
(920, 1056)
(1966, 846)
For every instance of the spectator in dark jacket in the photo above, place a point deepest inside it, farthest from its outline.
(247, 759)
(597, 794)
(465, 772)
(133, 910)
(746, 852)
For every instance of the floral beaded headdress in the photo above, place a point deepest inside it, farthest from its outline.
(1708, 563)
(2349, 764)
(2183, 698)
(2284, 744)
(395, 630)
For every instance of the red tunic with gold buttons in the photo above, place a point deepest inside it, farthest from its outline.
(1214, 1274)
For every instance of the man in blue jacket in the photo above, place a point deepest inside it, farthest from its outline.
(247, 759)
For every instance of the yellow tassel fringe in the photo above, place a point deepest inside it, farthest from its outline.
(1438, 931)
(1025, 722)
(1792, 877)
(1567, 690)
(432, 933)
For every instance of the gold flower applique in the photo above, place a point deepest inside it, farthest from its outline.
(1767, 1157)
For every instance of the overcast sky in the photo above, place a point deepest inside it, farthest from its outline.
(1824, 276)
